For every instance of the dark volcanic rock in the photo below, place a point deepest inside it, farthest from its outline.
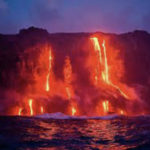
(21, 51)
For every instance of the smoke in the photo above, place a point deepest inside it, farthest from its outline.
(74, 16)
(44, 13)
(146, 21)
(7, 23)
(3, 5)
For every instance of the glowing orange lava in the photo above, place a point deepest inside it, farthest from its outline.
(68, 80)
(97, 47)
(30, 105)
(68, 76)
(104, 65)
(121, 112)
(48, 75)
(106, 106)
(122, 93)
(47, 83)
(105, 62)
(99, 56)
(68, 92)
(73, 111)
(42, 110)
(19, 113)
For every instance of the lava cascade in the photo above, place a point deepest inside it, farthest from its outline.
(110, 98)
(68, 80)
(48, 75)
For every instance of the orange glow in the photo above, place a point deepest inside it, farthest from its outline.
(42, 110)
(122, 93)
(47, 83)
(105, 62)
(97, 47)
(30, 105)
(121, 112)
(68, 92)
(106, 106)
(103, 76)
(19, 113)
(68, 71)
(48, 75)
(68, 80)
(68, 76)
(104, 65)
(99, 55)
(73, 111)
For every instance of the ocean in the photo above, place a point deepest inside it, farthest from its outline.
(79, 133)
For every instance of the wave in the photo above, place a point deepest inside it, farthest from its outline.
(59, 115)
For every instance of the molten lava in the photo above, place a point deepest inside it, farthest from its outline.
(48, 75)
(68, 92)
(105, 62)
(19, 113)
(99, 59)
(68, 80)
(97, 48)
(47, 82)
(73, 111)
(42, 110)
(30, 105)
(121, 112)
(106, 106)
(104, 65)
(77, 89)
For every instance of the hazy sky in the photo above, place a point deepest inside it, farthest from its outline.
(75, 15)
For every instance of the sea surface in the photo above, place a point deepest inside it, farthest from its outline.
(50, 133)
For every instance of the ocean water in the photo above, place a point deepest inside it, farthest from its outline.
(59, 132)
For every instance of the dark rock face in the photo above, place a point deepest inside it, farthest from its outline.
(20, 54)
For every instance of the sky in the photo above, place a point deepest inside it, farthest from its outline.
(113, 16)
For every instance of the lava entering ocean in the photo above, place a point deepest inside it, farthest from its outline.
(89, 84)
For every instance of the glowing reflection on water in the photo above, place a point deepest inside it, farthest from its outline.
(50, 134)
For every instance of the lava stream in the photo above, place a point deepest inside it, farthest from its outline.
(68, 92)
(73, 111)
(121, 112)
(19, 113)
(48, 75)
(97, 47)
(105, 62)
(42, 110)
(47, 83)
(99, 55)
(106, 106)
(105, 71)
(30, 105)
(68, 80)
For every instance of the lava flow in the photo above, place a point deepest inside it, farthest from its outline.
(105, 62)
(99, 60)
(104, 65)
(30, 105)
(48, 75)
(19, 113)
(106, 106)
(121, 112)
(73, 111)
(87, 86)
(42, 110)
(68, 80)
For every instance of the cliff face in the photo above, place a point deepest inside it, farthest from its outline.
(24, 63)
